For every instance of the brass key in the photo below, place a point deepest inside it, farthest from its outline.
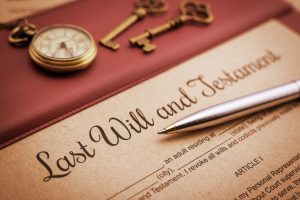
(143, 7)
(191, 11)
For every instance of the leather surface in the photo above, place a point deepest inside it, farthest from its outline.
(32, 99)
(292, 20)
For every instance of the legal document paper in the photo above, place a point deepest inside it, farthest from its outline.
(112, 151)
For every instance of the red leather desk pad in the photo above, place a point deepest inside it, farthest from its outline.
(32, 99)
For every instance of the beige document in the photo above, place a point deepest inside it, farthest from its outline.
(112, 151)
(15, 9)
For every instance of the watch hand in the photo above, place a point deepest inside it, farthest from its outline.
(63, 45)
(57, 50)
(69, 51)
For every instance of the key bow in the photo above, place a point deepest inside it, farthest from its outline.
(198, 12)
(152, 6)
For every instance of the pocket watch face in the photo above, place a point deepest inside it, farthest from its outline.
(63, 48)
(62, 42)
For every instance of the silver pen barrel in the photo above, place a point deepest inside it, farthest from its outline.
(236, 108)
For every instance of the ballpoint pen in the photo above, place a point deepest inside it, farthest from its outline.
(236, 108)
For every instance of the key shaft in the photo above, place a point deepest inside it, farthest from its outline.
(174, 23)
(143, 40)
(106, 41)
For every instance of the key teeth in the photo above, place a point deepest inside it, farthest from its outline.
(145, 45)
(110, 44)
(149, 48)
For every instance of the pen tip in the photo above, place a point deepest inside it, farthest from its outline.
(161, 132)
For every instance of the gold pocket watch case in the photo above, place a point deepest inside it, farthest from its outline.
(63, 48)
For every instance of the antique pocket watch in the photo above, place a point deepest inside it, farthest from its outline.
(58, 48)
